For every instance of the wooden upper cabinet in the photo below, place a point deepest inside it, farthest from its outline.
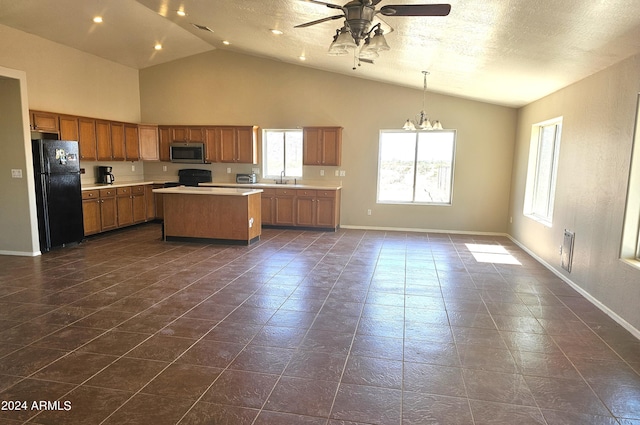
(237, 144)
(322, 146)
(116, 130)
(68, 127)
(131, 142)
(87, 139)
(188, 134)
(148, 142)
(103, 140)
(44, 121)
(164, 143)
(211, 151)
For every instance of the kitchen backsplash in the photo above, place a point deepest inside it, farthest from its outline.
(122, 171)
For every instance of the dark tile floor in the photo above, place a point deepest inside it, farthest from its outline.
(346, 328)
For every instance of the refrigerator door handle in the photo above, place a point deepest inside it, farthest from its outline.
(46, 159)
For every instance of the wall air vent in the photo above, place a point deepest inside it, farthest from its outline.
(202, 27)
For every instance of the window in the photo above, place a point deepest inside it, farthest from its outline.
(542, 170)
(416, 166)
(630, 250)
(282, 151)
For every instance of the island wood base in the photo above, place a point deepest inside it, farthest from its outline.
(213, 217)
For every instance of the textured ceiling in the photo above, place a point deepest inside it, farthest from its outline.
(508, 52)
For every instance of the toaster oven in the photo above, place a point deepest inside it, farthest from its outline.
(246, 178)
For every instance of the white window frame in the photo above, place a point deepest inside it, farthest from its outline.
(265, 174)
(418, 134)
(535, 173)
(630, 249)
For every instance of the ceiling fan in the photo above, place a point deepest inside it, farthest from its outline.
(358, 16)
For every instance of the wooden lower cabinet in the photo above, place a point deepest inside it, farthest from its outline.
(91, 212)
(150, 201)
(301, 207)
(268, 205)
(139, 204)
(108, 209)
(284, 214)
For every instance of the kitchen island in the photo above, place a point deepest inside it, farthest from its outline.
(212, 214)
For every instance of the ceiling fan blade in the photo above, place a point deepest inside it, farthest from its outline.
(330, 18)
(333, 6)
(416, 10)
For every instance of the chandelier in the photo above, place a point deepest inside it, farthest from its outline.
(422, 120)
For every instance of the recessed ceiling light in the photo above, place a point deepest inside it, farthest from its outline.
(276, 32)
(97, 19)
(181, 12)
(158, 46)
(225, 42)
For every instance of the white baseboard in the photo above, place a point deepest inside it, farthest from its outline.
(414, 230)
(21, 253)
(606, 310)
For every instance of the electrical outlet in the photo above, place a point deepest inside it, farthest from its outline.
(164, 168)
(228, 170)
(322, 172)
(337, 173)
(133, 168)
(343, 173)
(369, 212)
(16, 173)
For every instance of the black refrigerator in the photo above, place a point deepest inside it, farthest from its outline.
(58, 192)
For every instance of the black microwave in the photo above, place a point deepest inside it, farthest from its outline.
(192, 153)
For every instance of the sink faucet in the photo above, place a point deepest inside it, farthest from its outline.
(282, 177)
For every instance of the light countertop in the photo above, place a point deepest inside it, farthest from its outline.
(93, 186)
(225, 191)
(273, 186)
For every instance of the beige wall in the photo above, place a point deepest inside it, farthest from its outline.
(599, 114)
(18, 211)
(52, 78)
(62, 79)
(225, 88)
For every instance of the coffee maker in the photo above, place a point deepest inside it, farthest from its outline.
(105, 176)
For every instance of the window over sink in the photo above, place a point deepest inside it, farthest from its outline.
(281, 153)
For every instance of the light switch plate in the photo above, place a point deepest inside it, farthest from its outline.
(16, 173)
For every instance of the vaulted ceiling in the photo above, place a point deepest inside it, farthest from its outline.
(508, 52)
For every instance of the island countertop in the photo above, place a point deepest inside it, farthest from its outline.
(190, 190)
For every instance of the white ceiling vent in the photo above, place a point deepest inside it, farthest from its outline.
(202, 27)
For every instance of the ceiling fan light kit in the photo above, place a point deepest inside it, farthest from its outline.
(358, 16)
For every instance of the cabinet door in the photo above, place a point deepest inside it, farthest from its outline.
(148, 142)
(311, 146)
(87, 139)
(150, 201)
(68, 127)
(305, 211)
(179, 134)
(226, 144)
(196, 134)
(331, 149)
(44, 121)
(125, 210)
(284, 208)
(91, 212)
(131, 142)
(247, 145)
(108, 213)
(164, 143)
(268, 204)
(117, 141)
(139, 204)
(326, 212)
(211, 145)
(103, 140)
